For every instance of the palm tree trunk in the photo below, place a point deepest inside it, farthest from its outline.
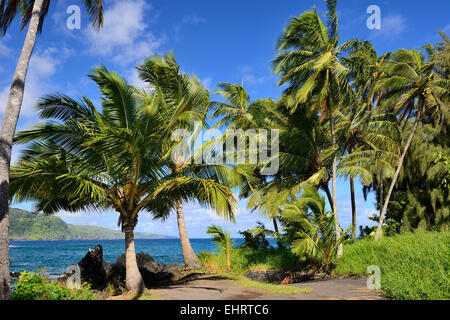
(327, 191)
(352, 196)
(379, 232)
(275, 227)
(133, 280)
(228, 258)
(333, 189)
(191, 260)
(381, 192)
(10, 118)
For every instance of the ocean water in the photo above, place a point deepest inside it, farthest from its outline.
(55, 256)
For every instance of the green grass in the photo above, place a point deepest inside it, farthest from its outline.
(273, 289)
(243, 260)
(413, 266)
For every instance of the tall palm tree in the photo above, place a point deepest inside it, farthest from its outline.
(33, 13)
(185, 179)
(223, 239)
(300, 163)
(239, 112)
(309, 61)
(360, 128)
(411, 86)
(371, 143)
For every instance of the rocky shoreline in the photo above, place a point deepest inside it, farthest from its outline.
(102, 275)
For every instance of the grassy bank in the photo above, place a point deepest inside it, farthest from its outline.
(243, 260)
(413, 266)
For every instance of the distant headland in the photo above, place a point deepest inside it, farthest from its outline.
(26, 225)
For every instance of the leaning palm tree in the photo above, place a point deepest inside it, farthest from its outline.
(411, 86)
(33, 13)
(309, 62)
(223, 240)
(185, 180)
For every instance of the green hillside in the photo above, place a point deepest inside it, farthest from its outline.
(25, 225)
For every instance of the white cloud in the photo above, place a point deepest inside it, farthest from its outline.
(391, 25)
(133, 79)
(4, 50)
(207, 83)
(125, 33)
(42, 65)
(192, 19)
(252, 79)
(248, 76)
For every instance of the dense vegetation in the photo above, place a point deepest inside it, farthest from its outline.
(413, 265)
(36, 286)
(26, 225)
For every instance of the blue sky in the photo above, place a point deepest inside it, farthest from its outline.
(232, 41)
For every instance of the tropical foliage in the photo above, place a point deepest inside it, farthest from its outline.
(311, 229)
(223, 240)
(36, 286)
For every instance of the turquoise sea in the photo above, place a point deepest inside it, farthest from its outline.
(55, 256)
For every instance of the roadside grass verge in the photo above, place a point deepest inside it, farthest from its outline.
(413, 265)
(272, 289)
(243, 260)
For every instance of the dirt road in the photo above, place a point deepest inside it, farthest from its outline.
(213, 287)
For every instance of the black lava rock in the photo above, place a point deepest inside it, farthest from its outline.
(267, 276)
(92, 268)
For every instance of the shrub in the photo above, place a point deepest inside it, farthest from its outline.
(36, 286)
(311, 229)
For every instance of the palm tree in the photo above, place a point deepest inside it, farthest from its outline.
(372, 137)
(411, 85)
(238, 110)
(223, 240)
(301, 163)
(83, 159)
(440, 54)
(185, 179)
(33, 14)
(261, 232)
(371, 143)
(309, 62)
(311, 229)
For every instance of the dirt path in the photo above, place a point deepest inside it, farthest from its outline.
(219, 288)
